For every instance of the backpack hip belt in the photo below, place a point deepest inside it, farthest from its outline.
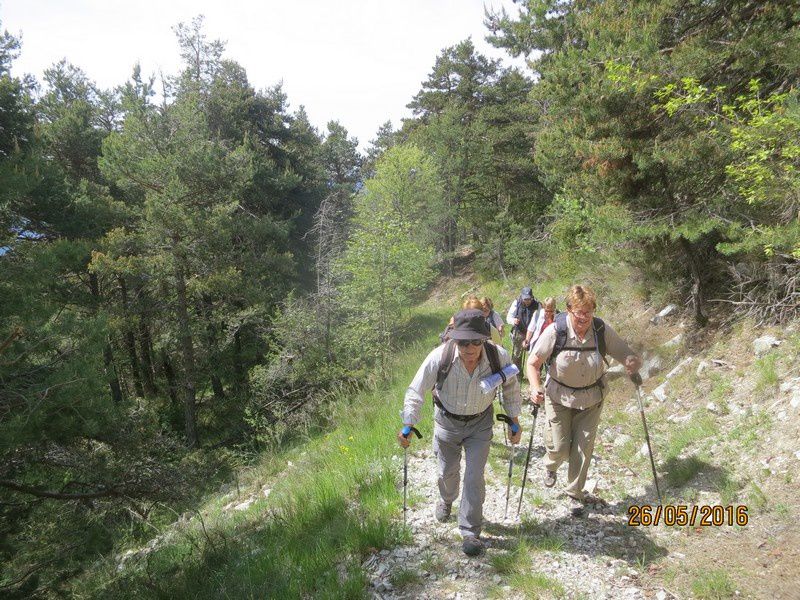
(464, 418)
(598, 383)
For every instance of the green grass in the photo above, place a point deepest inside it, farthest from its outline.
(432, 563)
(782, 510)
(669, 574)
(538, 538)
(516, 560)
(766, 372)
(728, 488)
(340, 501)
(680, 471)
(756, 498)
(537, 500)
(748, 432)
(689, 495)
(700, 427)
(536, 585)
(404, 577)
(713, 585)
(721, 390)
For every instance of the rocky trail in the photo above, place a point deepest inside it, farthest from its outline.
(726, 425)
(591, 556)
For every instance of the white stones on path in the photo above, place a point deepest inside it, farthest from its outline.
(587, 565)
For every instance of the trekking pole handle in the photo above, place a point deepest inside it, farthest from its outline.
(636, 379)
(408, 429)
(506, 419)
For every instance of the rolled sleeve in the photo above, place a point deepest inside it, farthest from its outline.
(424, 380)
(511, 311)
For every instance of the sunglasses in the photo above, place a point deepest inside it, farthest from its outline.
(465, 343)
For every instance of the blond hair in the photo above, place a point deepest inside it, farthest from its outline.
(581, 296)
(549, 303)
(472, 302)
(487, 303)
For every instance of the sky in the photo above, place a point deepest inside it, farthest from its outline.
(356, 61)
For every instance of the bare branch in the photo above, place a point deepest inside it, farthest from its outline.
(26, 489)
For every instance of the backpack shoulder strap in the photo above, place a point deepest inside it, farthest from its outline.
(561, 335)
(448, 354)
(600, 337)
(493, 356)
(600, 334)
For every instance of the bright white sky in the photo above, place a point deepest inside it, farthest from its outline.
(356, 61)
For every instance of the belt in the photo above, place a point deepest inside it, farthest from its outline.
(463, 418)
(598, 383)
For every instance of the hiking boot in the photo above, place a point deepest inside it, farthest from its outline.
(472, 545)
(442, 512)
(576, 506)
(550, 478)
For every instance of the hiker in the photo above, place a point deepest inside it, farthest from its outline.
(575, 348)
(463, 417)
(472, 302)
(543, 316)
(519, 317)
(491, 315)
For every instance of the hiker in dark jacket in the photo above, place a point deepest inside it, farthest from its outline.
(463, 418)
(519, 317)
(574, 346)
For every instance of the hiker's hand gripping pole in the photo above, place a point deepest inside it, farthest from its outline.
(404, 433)
(516, 432)
(637, 381)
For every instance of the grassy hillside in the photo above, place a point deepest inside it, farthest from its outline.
(317, 519)
(297, 524)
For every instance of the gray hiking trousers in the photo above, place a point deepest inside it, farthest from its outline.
(475, 436)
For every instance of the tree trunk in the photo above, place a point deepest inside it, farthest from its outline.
(130, 339)
(697, 284)
(108, 353)
(501, 259)
(111, 374)
(146, 346)
(213, 348)
(187, 354)
(169, 375)
(240, 373)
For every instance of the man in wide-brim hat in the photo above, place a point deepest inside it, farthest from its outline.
(463, 418)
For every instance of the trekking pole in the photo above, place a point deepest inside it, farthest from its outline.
(637, 381)
(528, 459)
(405, 470)
(506, 419)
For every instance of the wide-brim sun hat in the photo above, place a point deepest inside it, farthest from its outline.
(469, 324)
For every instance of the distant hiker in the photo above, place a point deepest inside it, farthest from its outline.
(543, 316)
(519, 317)
(575, 348)
(463, 417)
(492, 315)
(472, 302)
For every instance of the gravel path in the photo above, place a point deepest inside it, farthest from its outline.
(593, 556)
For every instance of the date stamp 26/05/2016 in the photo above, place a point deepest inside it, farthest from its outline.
(702, 515)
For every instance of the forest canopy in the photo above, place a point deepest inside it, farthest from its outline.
(187, 265)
